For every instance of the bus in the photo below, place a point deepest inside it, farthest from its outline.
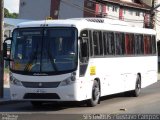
(79, 59)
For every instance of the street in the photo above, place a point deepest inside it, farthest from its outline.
(147, 103)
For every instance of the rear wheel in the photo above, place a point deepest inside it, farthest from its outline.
(95, 95)
(137, 90)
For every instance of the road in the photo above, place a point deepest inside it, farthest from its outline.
(147, 102)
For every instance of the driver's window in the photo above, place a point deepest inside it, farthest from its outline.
(84, 47)
(84, 52)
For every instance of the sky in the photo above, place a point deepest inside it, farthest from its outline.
(12, 5)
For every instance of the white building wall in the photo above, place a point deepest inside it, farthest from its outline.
(71, 9)
(113, 14)
(148, 2)
(34, 9)
(134, 20)
(129, 15)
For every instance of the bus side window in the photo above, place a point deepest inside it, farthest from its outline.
(129, 44)
(109, 45)
(90, 43)
(120, 43)
(153, 45)
(84, 47)
(147, 44)
(139, 48)
(97, 43)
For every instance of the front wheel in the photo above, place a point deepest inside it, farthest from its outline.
(95, 95)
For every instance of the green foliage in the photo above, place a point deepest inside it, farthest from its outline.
(7, 14)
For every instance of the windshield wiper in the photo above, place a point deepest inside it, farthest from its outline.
(34, 57)
(52, 60)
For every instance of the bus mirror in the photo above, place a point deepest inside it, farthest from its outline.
(4, 50)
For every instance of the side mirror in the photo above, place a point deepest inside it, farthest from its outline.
(6, 48)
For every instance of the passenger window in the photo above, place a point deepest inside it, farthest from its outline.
(129, 44)
(147, 44)
(109, 45)
(138, 47)
(120, 43)
(153, 45)
(97, 43)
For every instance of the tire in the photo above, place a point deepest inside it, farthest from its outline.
(95, 95)
(36, 103)
(137, 90)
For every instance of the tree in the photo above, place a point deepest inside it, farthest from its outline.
(7, 14)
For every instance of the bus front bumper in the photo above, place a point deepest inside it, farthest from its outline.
(62, 93)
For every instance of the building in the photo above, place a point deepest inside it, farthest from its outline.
(135, 12)
(34, 9)
(131, 11)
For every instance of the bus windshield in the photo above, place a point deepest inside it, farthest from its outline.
(42, 50)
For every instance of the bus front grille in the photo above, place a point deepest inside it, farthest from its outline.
(41, 96)
(40, 84)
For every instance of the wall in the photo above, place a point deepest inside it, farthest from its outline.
(71, 9)
(148, 2)
(34, 9)
(129, 15)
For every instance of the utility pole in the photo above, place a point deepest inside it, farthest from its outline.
(1, 52)
(152, 15)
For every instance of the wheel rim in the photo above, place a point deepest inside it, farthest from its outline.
(95, 93)
(138, 86)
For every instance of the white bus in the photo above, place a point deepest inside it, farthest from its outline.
(80, 59)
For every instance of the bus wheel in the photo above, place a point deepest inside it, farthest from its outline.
(95, 95)
(36, 103)
(137, 90)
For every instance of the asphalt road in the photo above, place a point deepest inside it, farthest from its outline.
(147, 103)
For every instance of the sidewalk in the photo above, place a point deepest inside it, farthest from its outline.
(6, 95)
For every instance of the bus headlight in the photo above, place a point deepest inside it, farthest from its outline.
(14, 81)
(68, 81)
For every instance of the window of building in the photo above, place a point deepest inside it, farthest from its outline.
(130, 12)
(137, 13)
(114, 8)
(100, 8)
(90, 4)
(124, 11)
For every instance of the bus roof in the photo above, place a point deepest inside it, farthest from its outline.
(89, 23)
